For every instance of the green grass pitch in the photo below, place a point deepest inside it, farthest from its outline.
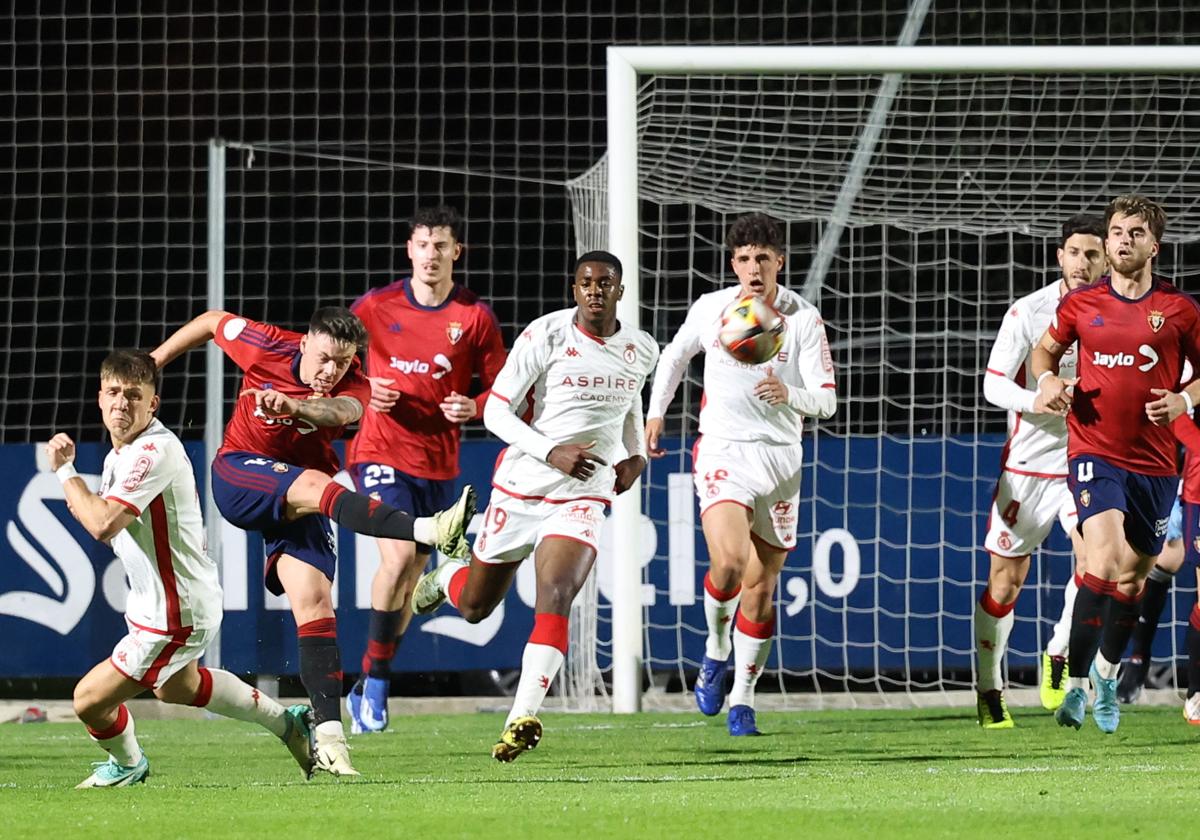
(875, 774)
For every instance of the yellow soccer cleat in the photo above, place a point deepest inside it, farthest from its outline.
(1054, 680)
(993, 711)
(522, 734)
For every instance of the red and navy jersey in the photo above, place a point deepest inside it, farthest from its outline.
(270, 358)
(1126, 348)
(427, 351)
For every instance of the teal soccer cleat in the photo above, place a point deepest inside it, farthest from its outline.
(110, 774)
(1073, 708)
(1106, 711)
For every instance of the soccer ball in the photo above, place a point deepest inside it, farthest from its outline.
(752, 330)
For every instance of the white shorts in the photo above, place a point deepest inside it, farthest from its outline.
(761, 478)
(513, 527)
(1023, 512)
(151, 658)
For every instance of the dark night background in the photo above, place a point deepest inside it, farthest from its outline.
(104, 117)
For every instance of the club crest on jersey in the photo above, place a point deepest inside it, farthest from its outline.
(279, 467)
(1085, 497)
(1156, 320)
(1196, 543)
(137, 473)
(630, 353)
(454, 331)
(1004, 541)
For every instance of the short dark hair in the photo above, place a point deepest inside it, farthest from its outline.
(755, 229)
(601, 257)
(133, 367)
(340, 324)
(1136, 205)
(442, 215)
(1087, 223)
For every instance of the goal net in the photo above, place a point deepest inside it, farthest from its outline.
(916, 209)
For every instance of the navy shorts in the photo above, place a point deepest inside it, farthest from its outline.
(1191, 533)
(1144, 499)
(418, 496)
(250, 491)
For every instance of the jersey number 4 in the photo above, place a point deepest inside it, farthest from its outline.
(1010, 513)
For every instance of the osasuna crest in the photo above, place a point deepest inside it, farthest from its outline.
(1085, 497)
(1156, 320)
(454, 331)
(1196, 543)
(630, 353)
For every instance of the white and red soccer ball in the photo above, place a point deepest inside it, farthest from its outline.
(752, 330)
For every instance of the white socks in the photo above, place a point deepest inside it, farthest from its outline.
(719, 610)
(232, 698)
(991, 641)
(539, 667)
(1061, 638)
(751, 647)
(119, 740)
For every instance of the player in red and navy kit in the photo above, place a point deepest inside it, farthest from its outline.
(274, 471)
(429, 337)
(1134, 332)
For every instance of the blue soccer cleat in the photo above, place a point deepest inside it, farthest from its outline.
(1106, 711)
(1073, 708)
(367, 705)
(110, 774)
(741, 721)
(710, 686)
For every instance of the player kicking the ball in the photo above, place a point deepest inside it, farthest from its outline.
(274, 471)
(583, 373)
(148, 510)
(747, 459)
(1032, 490)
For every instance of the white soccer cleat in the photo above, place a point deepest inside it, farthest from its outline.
(298, 737)
(430, 591)
(1191, 710)
(451, 525)
(332, 754)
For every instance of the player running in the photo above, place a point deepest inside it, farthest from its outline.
(429, 336)
(1134, 331)
(274, 472)
(1032, 491)
(747, 459)
(148, 510)
(583, 372)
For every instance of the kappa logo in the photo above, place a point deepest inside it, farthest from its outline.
(394, 327)
(149, 447)
(1098, 321)
(572, 352)
(544, 681)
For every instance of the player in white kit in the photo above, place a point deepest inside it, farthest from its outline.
(569, 403)
(747, 459)
(149, 511)
(1032, 492)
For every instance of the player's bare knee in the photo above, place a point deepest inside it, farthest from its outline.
(87, 703)
(474, 613)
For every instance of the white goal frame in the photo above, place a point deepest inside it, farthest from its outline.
(624, 64)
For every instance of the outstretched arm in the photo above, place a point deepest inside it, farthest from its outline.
(195, 332)
(320, 411)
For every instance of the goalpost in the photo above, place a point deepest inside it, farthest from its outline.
(931, 213)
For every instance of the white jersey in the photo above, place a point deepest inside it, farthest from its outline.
(569, 387)
(730, 410)
(1037, 443)
(173, 583)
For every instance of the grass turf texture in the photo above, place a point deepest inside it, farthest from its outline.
(928, 773)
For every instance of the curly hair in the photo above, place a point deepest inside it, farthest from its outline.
(441, 216)
(755, 229)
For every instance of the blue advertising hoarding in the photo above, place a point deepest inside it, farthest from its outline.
(885, 575)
